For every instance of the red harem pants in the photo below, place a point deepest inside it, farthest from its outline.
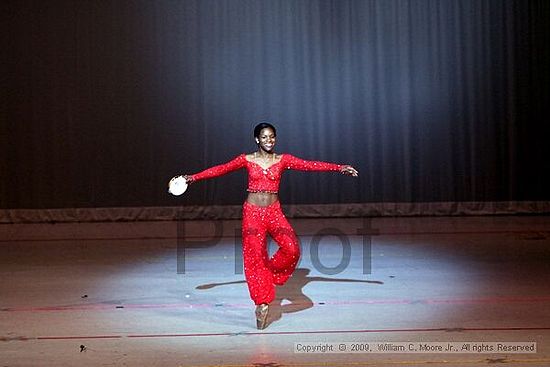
(263, 273)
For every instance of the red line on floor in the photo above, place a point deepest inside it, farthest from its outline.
(255, 333)
(79, 337)
(434, 301)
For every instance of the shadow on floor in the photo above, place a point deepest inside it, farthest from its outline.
(292, 292)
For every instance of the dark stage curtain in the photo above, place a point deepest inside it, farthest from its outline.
(103, 101)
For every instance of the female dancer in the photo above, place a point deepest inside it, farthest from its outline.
(262, 215)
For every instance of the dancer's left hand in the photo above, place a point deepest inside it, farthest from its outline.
(349, 170)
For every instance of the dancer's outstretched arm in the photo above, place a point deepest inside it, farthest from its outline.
(218, 170)
(292, 162)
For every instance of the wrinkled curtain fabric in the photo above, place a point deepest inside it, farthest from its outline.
(432, 101)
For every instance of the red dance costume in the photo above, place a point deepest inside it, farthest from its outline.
(263, 273)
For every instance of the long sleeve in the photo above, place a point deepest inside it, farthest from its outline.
(292, 162)
(221, 169)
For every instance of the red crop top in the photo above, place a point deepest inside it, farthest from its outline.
(268, 179)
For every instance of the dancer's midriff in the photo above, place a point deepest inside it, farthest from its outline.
(262, 198)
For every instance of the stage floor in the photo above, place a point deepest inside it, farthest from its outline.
(173, 294)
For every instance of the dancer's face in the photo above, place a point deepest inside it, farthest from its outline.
(266, 140)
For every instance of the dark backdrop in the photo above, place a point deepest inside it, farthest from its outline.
(103, 101)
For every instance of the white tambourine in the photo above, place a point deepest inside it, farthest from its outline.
(177, 185)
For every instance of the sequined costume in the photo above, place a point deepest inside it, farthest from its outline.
(263, 273)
